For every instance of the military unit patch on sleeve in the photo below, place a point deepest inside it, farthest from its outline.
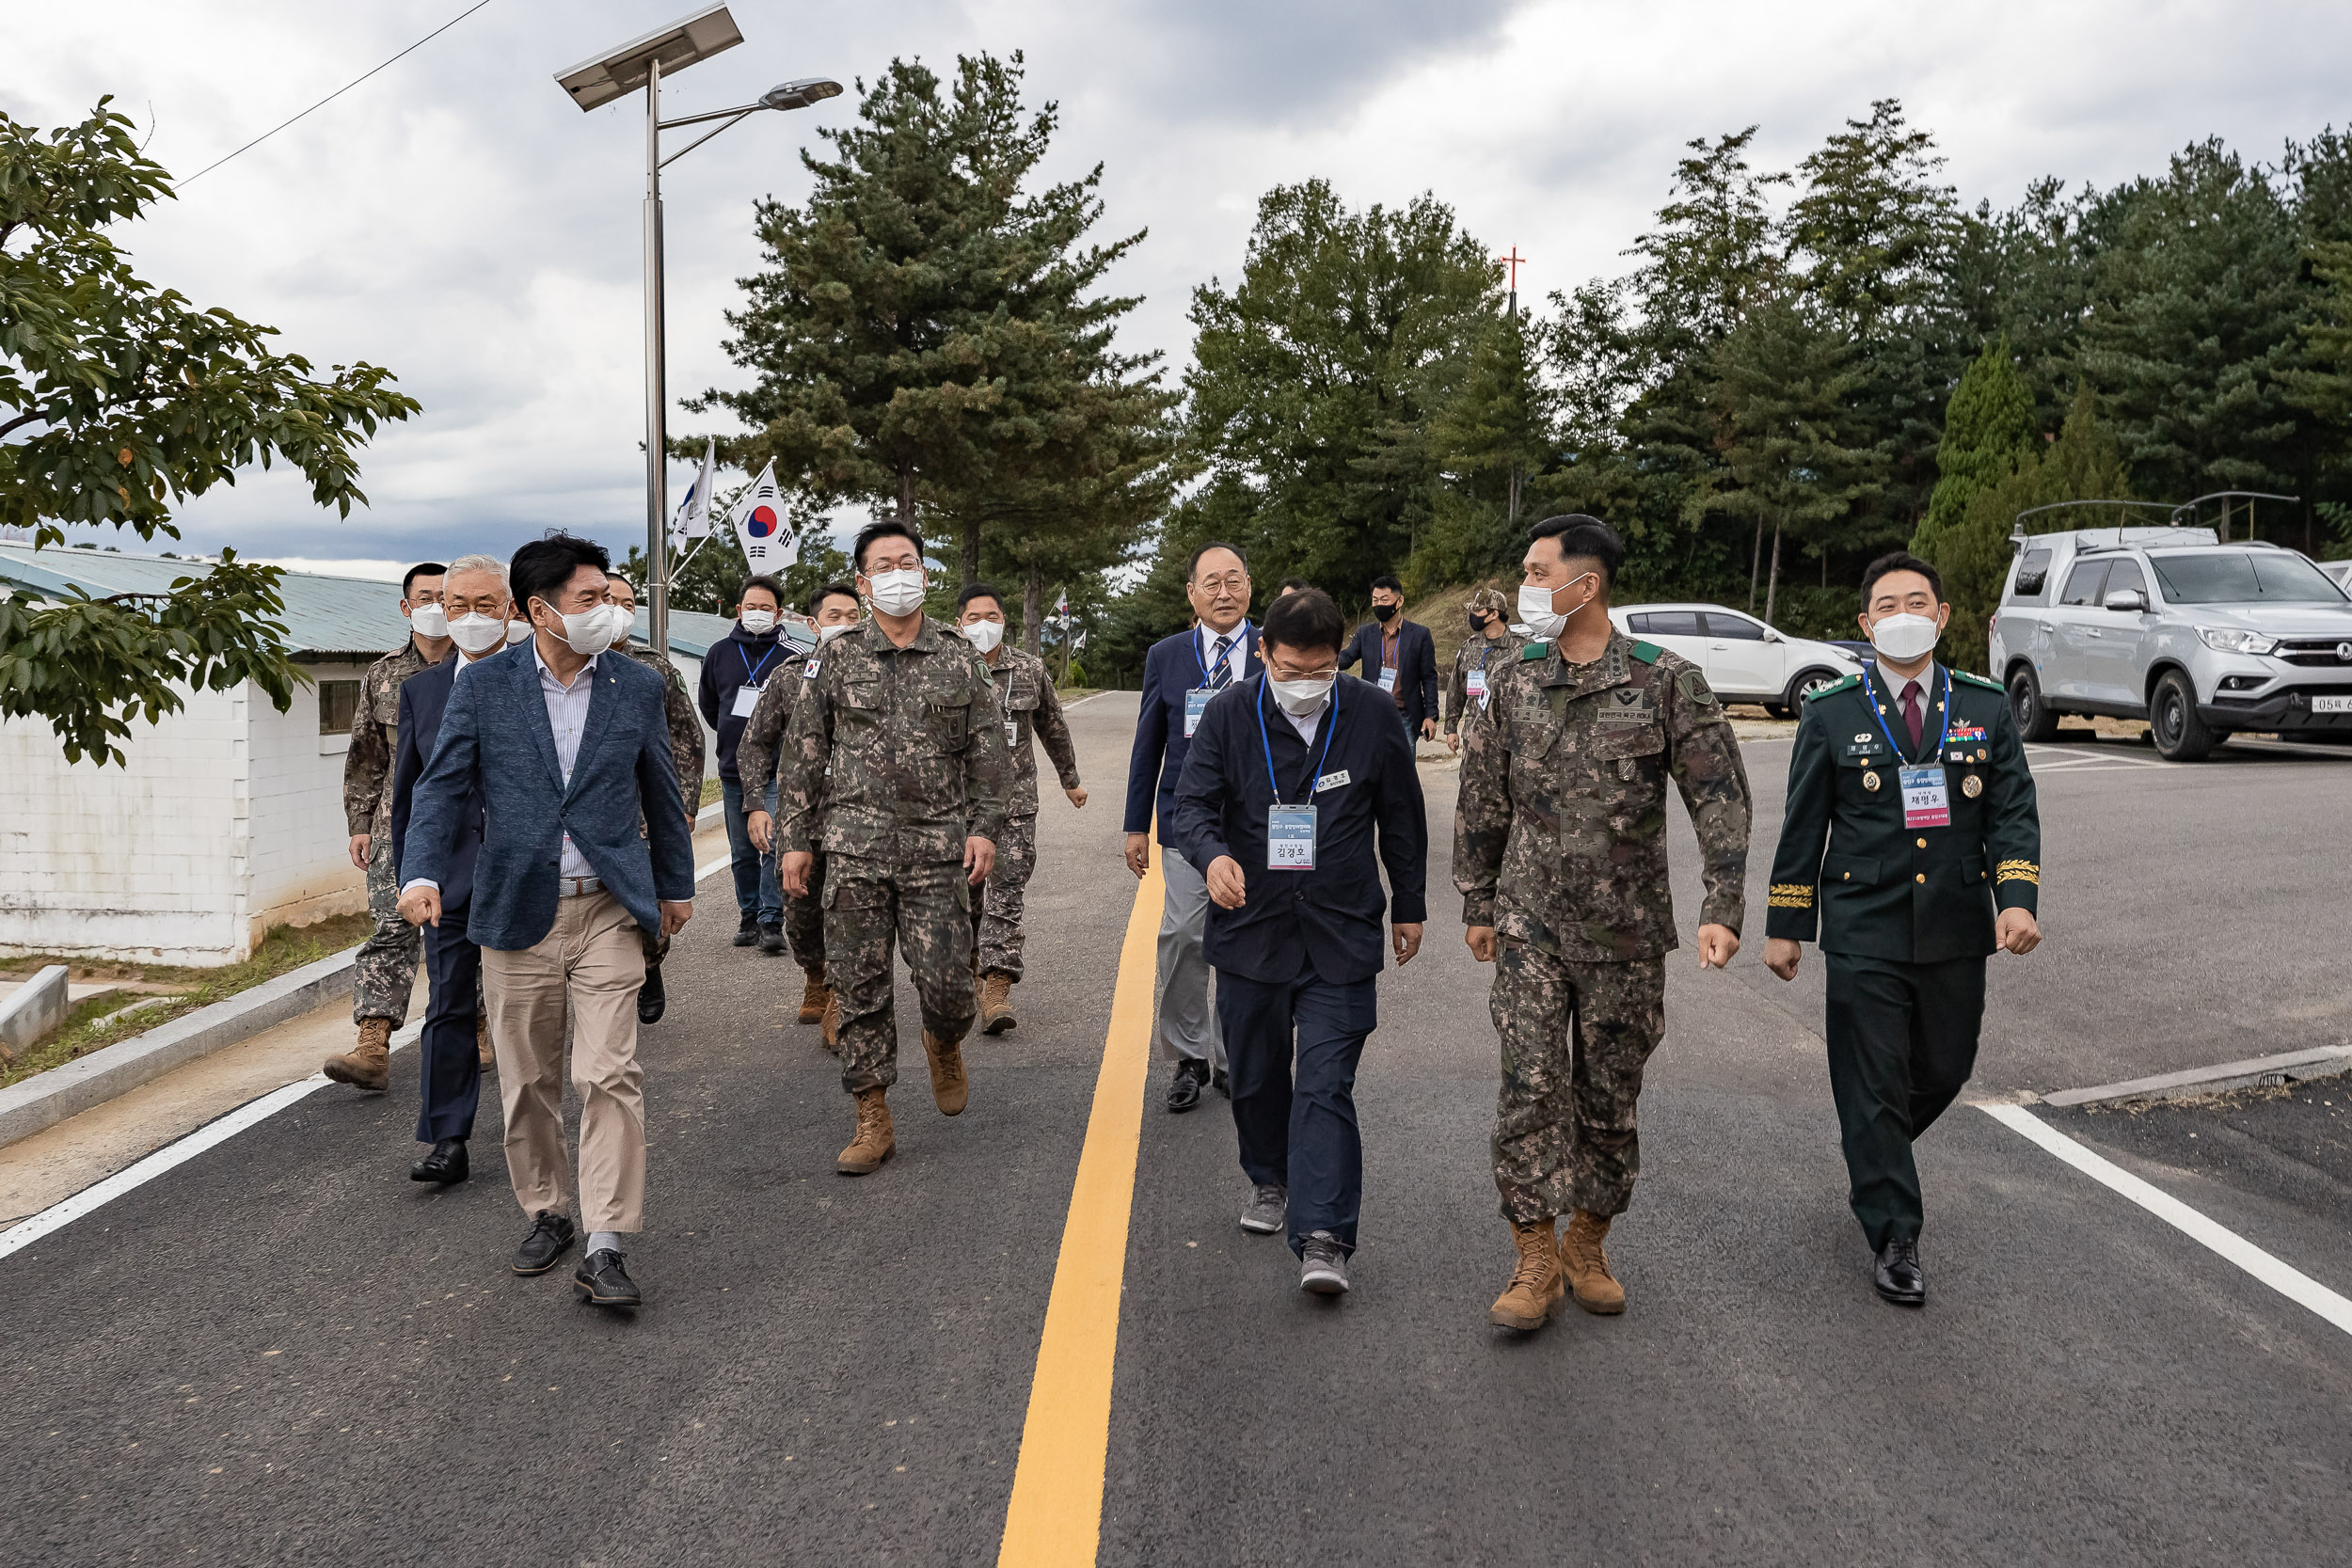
(1694, 687)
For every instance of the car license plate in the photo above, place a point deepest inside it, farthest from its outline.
(2332, 704)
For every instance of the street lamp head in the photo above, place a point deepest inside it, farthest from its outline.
(595, 83)
(800, 94)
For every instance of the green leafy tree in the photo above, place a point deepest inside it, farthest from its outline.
(1490, 434)
(1988, 430)
(925, 325)
(1314, 375)
(120, 401)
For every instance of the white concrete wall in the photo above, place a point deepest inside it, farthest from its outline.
(146, 862)
(299, 860)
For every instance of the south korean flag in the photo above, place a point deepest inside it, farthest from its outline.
(759, 522)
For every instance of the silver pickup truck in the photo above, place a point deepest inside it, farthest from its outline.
(2199, 637)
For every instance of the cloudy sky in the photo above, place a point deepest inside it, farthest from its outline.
(457, 219)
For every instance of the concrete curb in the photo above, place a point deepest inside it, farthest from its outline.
(49, 1098)
(2291, 1066)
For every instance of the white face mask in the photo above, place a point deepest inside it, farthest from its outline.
(1535, 609)
(1904, 638)
(628, 622)
(984, 635)
(430, 620)
(593, 631)
(757, 622)
(826, 634)
(896, 592)
(478, 634)
(1300, 698)
(517, 630)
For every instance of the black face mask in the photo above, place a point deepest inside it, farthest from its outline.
(1383, 611)
(1478, 623)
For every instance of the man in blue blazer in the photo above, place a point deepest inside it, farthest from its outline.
(455, 1047)
(584, 846)
(1179, 675)
(1299, 789)
(1399, 657)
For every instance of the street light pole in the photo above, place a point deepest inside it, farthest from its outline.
(657, 390)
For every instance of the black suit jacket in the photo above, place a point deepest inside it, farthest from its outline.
(1329, 916)
(1157, 761)
(422, 704)
(1416, 660)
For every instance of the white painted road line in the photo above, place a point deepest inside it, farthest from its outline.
(2291, 1283)
(99, 1194)
(703, 873)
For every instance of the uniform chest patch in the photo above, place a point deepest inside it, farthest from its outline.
(1626, 705)
(1967, 731)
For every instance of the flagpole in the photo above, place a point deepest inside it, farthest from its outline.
(656, 487)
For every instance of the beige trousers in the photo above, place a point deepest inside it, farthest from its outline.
(590, 965)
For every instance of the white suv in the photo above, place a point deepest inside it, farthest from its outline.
(1743, 659)
(2200, 637)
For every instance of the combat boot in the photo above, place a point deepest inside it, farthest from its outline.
(873, 1143)
(482, 1043)
(1587, 1262)
(368, 1065)
(813, 998)
(949, 1086)
(1536, 1283)
(996, 1004)
(831, 1035)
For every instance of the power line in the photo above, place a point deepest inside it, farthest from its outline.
(336, 93)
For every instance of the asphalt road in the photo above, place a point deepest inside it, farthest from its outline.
(284, 1351)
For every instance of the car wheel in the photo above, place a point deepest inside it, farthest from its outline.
(1807, 683)
(2035, 721)
(2180, 734)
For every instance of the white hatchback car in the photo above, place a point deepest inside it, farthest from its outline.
(1743, 659)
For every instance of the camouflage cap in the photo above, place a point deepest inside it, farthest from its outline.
(1488, 601)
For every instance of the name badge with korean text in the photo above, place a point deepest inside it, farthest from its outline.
(1290, 838)
(1332, 781)
(1388, 680)
(1927, 800)
(746, 699)
(1013, 731)
(1196, 704)
(1474, 687)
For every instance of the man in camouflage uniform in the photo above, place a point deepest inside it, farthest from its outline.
(1026, 705)
(895, 737)
(386, 968)
(686, 757)
(1477, 661)
(1559, 854)
(835, 609)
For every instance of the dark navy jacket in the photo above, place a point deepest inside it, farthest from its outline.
(421, 703)
(1171, 668)
(1417, 666)
(1329, 916)
(622, 806)
(725, 667)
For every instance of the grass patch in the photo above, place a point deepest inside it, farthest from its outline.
(89, 1027)
(712, 789)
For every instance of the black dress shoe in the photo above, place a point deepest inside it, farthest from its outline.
(602, 1282)
(1184, 1090)
(551, 1236)
(747, 934)
(771, 937)
(1221, 1081)
(445, 1164)
(1897, 1276)
(652, 1002)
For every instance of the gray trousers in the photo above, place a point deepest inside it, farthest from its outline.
(1187, 1028)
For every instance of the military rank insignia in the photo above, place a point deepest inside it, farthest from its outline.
(1626, 705)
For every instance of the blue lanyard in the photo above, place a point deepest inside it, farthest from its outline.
(750, 676)
(1881, 715)
(1314, 779)
(1242, 644)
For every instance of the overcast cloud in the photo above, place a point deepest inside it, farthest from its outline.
(456, 219)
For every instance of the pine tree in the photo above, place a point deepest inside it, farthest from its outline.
(1988, 430)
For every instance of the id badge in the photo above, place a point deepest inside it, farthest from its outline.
(1013, 731)
(1388, 680)
(746, 699)
(1196, 704)
(1474, 687)
(1927, 802)
(1290, 838)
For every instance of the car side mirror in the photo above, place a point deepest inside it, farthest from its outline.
(1772, 636)
(2128, 599)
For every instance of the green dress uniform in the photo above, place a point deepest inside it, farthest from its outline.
(1903, 904)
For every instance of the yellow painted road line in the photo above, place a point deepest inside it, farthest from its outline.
(1057, 1512)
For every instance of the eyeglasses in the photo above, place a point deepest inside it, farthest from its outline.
(1232, 583)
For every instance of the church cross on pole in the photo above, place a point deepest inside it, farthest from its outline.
(1513, 261)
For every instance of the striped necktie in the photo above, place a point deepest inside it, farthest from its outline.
(1220, 667)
